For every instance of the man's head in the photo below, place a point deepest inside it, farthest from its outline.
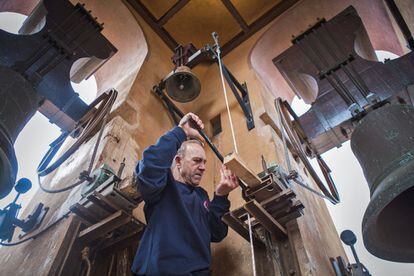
(190, 162)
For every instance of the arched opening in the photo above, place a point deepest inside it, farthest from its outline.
(383, 56)
(299, 106)
(39, 128)
(87, 89)
(11, 21)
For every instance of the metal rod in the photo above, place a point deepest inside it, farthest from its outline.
(355, 255)
(251, 244)
(173, 107)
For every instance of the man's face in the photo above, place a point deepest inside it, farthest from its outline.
(193, 164)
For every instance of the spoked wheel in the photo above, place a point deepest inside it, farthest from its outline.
(94, 120)
(302, 148)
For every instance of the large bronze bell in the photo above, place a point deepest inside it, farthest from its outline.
(18, 103)
(383, 143)
(182, 85)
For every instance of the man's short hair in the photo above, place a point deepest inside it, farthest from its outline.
(181, 151)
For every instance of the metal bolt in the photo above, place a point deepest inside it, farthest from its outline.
(292, 272)
(285, 245)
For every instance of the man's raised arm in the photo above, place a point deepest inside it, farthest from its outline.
(153, 169)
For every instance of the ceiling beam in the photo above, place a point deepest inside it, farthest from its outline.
(172, 11)
(265, 19)
(152, 21)
(235, 13)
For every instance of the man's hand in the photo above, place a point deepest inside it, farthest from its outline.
(188, 123)
(227, 183)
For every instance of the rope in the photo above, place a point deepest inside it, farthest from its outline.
(215, 36)
(251, 244)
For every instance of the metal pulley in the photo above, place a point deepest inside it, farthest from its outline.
(383, 143)
(19, 102)
(182, 85)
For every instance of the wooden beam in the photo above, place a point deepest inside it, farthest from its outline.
(236, 165)
(105, 226)
(235, 13)
(152, 21)
(121, 242)
(172, 11)
(274, 12)
(268, 222)
(241, 228)
(269, 121)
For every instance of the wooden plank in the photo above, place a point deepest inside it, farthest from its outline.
(236, 165)
(294, 206)
(268, 222)
(106, 201)
(269, 121)
(121, 242)
(108, 209)
(288, 193)
(83, 213)
(105, 226)
(241, 228)
(236, 225)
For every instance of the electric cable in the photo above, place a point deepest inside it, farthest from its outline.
(38, 233)
(91, 123)
(86, 126)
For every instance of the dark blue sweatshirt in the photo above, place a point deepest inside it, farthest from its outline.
(181, 221)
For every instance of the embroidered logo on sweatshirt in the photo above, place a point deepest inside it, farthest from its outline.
(206, 204)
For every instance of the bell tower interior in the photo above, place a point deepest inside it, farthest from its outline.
(238, 65)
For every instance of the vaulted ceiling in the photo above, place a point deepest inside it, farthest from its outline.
(179, 22)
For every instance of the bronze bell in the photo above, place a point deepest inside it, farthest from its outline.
(182, 85)
(383, 143)
(18, 103)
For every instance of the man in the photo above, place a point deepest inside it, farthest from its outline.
(181, 221)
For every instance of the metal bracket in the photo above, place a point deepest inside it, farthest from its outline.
(239, 90)
(242, 99)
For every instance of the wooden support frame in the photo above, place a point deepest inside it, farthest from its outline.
(237, 225)
(268, 222)
(271, 210)
(105, 226)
